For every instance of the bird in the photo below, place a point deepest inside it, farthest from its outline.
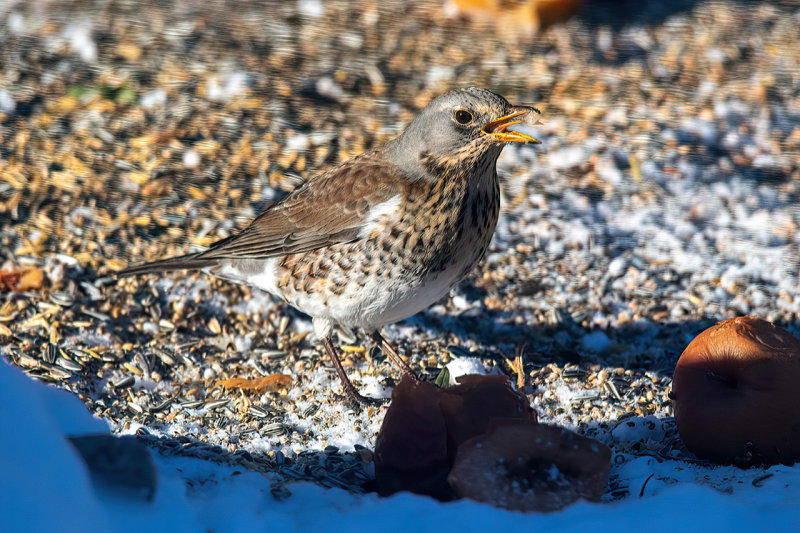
(382, 236)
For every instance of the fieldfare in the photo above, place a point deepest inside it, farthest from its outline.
(383, 235)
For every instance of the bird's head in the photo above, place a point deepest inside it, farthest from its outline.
(463, 126)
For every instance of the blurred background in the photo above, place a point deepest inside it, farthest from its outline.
(664, 196)
(666, 188)
(135, 125)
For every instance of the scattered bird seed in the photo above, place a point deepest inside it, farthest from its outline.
(125, 383)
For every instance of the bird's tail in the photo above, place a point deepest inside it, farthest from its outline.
(184, 262)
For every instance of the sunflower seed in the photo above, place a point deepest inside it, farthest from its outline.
(144, 361)
(92, 291)
(79, 355)
(186, 359)
(216, 404)
(187, 344)
(573, 373)
(86, 353)
(161, 406)
(62, 298)
(28, 362)
(109, 357)
(612, 389)
(553, 317)
(579, 315)
(261, 369)
(65, 363)
(96, 314)
(59, 373)
(165, 357)
(124, 383)
(274, 355)
(50, 353)
(274, 429)
(284, 323)
(257, 412)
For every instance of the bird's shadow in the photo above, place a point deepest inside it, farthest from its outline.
(643, 346)
(647, 345)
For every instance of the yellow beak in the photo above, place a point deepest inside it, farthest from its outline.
(498, 128)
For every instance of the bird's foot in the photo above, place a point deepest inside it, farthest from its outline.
(357, 401)
(394, 357)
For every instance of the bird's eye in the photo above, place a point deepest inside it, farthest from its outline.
(463, 117)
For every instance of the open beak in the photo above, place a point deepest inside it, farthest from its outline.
(521, 114)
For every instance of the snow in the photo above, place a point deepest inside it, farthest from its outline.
(7, 103)
(297, 143)
(191, 159)
(311, 8)
(154, 98)
(42, 472)
(226, 87)
(461, 366)
(79, 37)
(16, 22)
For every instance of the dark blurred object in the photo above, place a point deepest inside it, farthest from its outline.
(524, 466)
(119, 464)
(620, 13)
(425, 425)
(523, 16)
(527, 17)
(736, 395)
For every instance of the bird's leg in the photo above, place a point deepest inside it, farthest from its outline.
(389, 350)
(349, 388)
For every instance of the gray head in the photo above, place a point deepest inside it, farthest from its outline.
(464, 124)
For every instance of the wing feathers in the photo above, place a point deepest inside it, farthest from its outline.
(331, 208)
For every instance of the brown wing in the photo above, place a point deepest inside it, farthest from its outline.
(330, 208)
